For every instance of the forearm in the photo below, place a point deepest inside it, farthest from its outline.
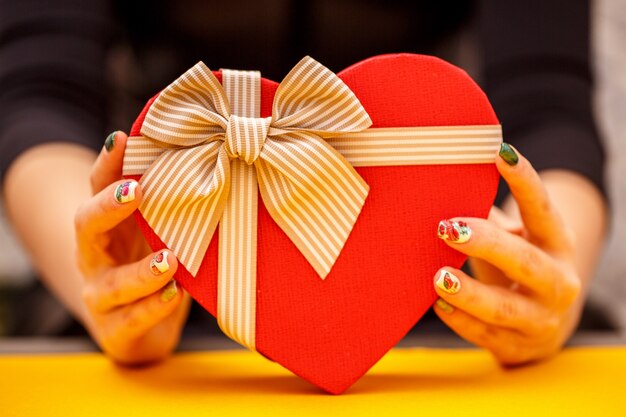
(42, 191)
(584, 209)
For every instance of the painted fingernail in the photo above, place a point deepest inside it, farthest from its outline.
(169, 292)
(109, 142)
(444, 306)
(508, 154)
(158, 264)
(457, 232)
(125, 192)
(448, 282)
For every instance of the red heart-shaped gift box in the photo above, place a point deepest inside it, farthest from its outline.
(330, 332)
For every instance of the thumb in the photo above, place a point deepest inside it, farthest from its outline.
(106, 210)
(108, 166)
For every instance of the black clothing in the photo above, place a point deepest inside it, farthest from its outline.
(71, 69)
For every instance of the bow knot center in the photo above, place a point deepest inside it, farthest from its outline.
(245, 137)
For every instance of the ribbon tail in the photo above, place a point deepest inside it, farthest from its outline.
(236, 276)
(236, 285)
(313, 194)
(184, 194)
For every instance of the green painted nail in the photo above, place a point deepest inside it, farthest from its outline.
(109, 142)
(444, 306)
(169, 292)
(508, 154)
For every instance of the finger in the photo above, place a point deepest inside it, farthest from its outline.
(489, 274)
(108, 166)
(134, 320)
(516, 257)
(503, 221)
(542, 221)
(126, 284)
(493, 305)
(106, 209)
(506, 345)
(484, 271)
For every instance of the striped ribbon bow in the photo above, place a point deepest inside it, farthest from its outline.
(309, 189)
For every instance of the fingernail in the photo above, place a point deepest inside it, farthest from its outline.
(443, 305)
(448, 282)
(508, 154)
(457, 232)
(125, 192)
(158, 264)
(169, 292)
(109, 142)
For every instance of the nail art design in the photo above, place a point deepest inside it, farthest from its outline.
(508, 154)
(158, 264)
(448, 282)
(457, 232)
(444, 306)
(125, 192)
(169, 292)
(109, 142)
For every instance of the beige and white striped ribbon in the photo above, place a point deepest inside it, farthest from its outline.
(394, 146)
(204, 149)
(236, 277)
(397, 146)
(307, 187)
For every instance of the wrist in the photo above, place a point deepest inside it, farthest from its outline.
(35, 180)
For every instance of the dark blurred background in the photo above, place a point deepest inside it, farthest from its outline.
(284, 31)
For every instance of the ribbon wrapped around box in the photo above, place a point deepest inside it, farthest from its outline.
(354, 172)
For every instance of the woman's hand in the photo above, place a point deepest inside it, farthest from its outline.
(528, 294)
(135, 311)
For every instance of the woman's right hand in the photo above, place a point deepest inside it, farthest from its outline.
(135, 311)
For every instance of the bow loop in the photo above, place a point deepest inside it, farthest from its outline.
(190, 111)
(313, 98)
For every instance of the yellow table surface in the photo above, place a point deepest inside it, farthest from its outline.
(589, 381)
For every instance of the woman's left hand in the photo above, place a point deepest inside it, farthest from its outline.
(527, 297)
